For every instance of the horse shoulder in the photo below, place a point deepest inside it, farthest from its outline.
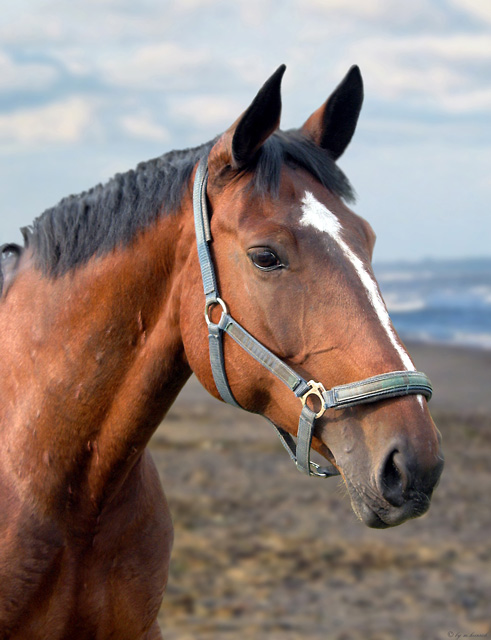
(127, 565)
(31, 549)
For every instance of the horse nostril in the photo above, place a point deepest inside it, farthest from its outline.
(393, 478)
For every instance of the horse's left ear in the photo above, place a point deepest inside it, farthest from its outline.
(240, 143)
(333, 125)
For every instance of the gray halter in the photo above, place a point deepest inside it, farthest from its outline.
(386, 385)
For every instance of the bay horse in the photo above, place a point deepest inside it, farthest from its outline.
(101, 324)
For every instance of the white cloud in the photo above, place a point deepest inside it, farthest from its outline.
(143, 127)
(255, 13)
(454, 47)
(30, 24)
(468, 102)
(154, 66)
(366, 9)
(193, 5)
(432, 71)
(479, 9)
(215, 112)
(24, 77)
(353, 13)
(59, 122)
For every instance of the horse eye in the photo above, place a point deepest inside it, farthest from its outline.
(265, 259)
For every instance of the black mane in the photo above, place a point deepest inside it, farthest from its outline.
(107, 216)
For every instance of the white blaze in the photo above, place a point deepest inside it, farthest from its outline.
(315, 214)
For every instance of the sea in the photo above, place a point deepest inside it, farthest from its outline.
(439, 301)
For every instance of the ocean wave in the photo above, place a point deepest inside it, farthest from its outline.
(397, 305)
(457, 339)
(442, 302)
(444, 299)
(458, 299)
(403, 276)
(483, 292)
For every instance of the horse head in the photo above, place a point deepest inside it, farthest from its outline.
(293, 263)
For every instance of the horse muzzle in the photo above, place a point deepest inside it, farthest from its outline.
(399, 490)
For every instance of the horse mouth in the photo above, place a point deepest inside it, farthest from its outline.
(378, 514)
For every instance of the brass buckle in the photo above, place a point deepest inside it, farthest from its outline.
(316, 389)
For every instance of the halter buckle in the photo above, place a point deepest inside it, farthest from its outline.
(316, 389)
(212, 303)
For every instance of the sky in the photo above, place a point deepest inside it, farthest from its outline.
(92, 87)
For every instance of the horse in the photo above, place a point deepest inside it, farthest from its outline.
(102, 324)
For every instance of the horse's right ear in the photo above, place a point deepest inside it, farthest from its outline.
(240, 143)
(333, 125)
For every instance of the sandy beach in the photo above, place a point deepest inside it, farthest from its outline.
(262, 552)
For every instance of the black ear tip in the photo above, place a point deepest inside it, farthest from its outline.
(354, 74)
(272, 86)
(278, 74)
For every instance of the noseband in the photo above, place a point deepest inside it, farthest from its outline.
(386, 385)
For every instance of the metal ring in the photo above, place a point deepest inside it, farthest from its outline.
(212, 303)
(314, 470)
(316, 389)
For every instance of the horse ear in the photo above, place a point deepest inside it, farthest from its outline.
(240, 143)
(333, 125)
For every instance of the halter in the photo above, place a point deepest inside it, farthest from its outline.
(386, 385)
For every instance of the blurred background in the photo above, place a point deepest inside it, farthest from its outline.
(89, 88)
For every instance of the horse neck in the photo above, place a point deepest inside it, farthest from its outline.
(93, 361)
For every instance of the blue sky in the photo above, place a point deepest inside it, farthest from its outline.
(92, 87)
